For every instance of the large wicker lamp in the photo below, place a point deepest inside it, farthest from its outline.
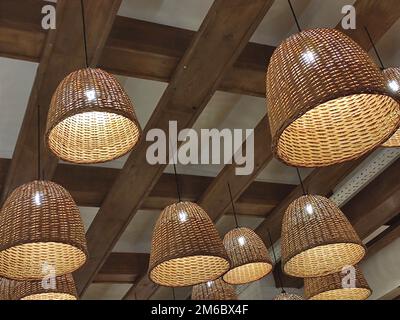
(214, 290)
(317, 238)
(91, 118)
(63, 288)
(40, 225)
(327, 100)
(249, 256)
(186, 248)
(392, 77)
(332, 287)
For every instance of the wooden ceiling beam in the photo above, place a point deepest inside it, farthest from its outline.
(221, 38)
(62, 54)
(135, 48)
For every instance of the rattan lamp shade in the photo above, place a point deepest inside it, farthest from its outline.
(331, 287)
(186, 248)
(392, 77)
(40, 224)
(317, 239)
(63, 289)
(327, 100)
(91, 118)
(249, 256)
(288, 296)
(214, 290)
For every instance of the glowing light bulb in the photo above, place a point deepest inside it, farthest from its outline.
(309, 57)
(394, 86)
(210, 283)
(182, 216)
(242, 241)
(90, 95)
(309, 208)
(37, 198)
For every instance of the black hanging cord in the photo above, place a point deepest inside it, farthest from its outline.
(177, 184)
(233, 206)
(84, 34)
(375, 49)
(275, 261)
(173, 294)
(294, 15)
(39, 140)
(301, 182)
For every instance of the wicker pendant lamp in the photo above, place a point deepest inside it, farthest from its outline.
(214, 290)
(392, 77)
(40, 224)
(317, 238)
(248, 254)
(91, 118)
(332, 287)
(327, 100)
(288, 296)
(63, 288)
(186, 249)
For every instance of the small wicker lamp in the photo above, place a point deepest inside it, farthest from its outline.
(249, 256)
(317, 238)
(327, 100)
(40, 224)
(91, 119)
(288, 296)
(331, 287)
(392, 77)
(186, 248)
(64, 289)
(214, 290)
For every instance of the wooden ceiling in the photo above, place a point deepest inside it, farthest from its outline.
(194, 64)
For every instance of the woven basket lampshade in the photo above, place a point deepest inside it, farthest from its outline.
(288, 296)
(392, 77)
(214, 290)
(331, 287)
(186, 248)
(317, 239)
(63, 288)
(327, 100)
(40, 225)
(91, 119)
(249, 256)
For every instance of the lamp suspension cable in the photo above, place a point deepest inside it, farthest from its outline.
(177, 183)
(84, 35)
(374, 47)
(39, 159)
(275, 261)
(301, 182)
(233, 206)
(294, 15)
(173, 293)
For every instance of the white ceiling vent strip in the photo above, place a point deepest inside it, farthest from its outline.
(364, 174)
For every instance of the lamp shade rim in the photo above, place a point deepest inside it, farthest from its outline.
(315, 104)
(364, 293)
(289, 258)
(67, 296)
(266, 272)
(110, 110)
(195, 255)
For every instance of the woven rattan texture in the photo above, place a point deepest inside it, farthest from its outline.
(288, 296)
(186, 248)
(91, 118)
(327, 100)
(40, 226)
(214, 290)
(331, 287)
(392, 78)
(317, 238)
(249, 256)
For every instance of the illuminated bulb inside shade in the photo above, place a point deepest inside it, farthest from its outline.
(394, 85)
(242, 241)
(182, 215)
(309, 57)
(309, 209)
(37, 198)
(90, 95)
(210, 283)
